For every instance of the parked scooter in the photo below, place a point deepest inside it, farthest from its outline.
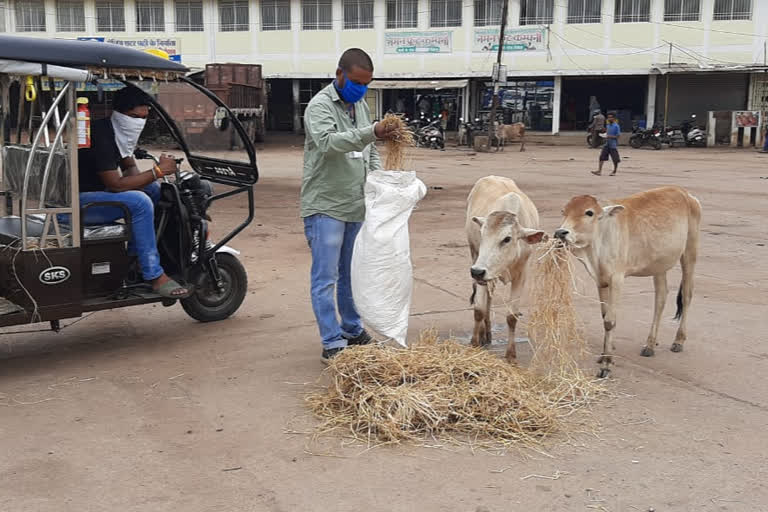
(693, 135)
(600, 134)
(430, 136)
(650, 137)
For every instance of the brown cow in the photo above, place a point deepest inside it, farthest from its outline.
(501, 225)
(641, 235)
(505, 132)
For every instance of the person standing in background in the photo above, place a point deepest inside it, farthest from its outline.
(339, 151)
(611, 148)
(596, 127)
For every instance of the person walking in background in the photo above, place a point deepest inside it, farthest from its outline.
(765, 135)
(339, 151)
(612, 133)
(596, 127)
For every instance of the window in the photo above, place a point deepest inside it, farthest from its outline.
(110, 16)
(2, 16)
(358, 14)
(30, 16)
(70, 16)
(633, 11)
(733, 10)
(233, 15)
(585, 11)
(189, 15)
(316, 15)
(536, 12)
(150, 16)
(488, 12)
(275, 15)
(445, 13)
(402, 13)
(681, 10)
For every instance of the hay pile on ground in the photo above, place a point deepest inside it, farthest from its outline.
(434, 390)
(441, 391)
(397, 145)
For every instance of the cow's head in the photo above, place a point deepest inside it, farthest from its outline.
(502, 240)
(582, 218)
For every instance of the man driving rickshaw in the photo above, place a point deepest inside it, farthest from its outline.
(113, 141)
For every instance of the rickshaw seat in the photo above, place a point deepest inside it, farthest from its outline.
(10, 229)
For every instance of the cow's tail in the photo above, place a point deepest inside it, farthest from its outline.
(679, 312)
(474, 293)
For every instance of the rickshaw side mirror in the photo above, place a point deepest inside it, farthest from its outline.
(221, 119)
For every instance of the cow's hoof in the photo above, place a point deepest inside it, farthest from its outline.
(603, 373)
(605, 359)
(646, 352)
(677, 347)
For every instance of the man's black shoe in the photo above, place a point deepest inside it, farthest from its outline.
(361, 339)
(330, 353)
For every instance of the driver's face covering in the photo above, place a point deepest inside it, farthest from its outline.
(127, 132)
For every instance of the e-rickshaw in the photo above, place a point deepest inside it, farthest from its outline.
(54, 267)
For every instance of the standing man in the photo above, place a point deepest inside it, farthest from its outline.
(611, 145)
(596, 127)
(339, 151)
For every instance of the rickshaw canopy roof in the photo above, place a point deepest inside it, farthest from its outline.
(82, 54)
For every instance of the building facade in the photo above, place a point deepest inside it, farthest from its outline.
(649, 60)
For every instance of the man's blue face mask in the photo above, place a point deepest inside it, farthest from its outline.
(352, 92)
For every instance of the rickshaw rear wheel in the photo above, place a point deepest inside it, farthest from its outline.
(206, 304)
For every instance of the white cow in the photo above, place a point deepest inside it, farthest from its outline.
(642, 235)
(502, 224)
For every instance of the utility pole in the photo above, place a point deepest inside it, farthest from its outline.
(666, 89)
(499, 53)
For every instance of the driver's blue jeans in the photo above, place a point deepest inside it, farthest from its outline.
(332, 242)
(141, 204)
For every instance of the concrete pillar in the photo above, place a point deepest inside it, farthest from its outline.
(296, 107)
(556, 105)
(650, 102)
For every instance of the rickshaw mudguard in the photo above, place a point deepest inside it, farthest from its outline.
(228, 250)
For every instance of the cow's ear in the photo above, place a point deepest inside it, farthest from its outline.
(611, 210)
(533, 236)
(479, 221)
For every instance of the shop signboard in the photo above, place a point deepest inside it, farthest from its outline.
(417, 42)
(515, 40)
(747, 118)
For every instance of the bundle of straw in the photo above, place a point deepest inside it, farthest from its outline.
(398, 144)
(554, 325)
(556, 331)
(435, 390)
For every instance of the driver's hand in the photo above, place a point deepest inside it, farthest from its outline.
(384, 132)
(167, 164)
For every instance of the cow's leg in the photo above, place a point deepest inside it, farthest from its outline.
(522, 144)
(515, 289)
(609, 295)
(660, 299)
(482, 302)
(685, 295)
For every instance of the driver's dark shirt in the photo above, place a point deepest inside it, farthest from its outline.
(102, 156)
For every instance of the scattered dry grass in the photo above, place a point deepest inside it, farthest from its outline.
(398, 145)
(440, 391)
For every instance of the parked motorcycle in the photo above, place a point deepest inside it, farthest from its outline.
(650, 137)
(467, 130)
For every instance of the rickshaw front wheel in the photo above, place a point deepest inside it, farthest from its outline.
(207, 304)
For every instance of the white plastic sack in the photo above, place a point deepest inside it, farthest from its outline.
(382, 275)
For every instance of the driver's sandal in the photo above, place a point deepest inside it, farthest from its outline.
(168, 288)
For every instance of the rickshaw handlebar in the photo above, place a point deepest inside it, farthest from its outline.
(143, 154)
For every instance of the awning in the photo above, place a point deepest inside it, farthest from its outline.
(418, 84)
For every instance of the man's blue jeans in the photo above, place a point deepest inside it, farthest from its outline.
(332, 242)
(141, 204)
